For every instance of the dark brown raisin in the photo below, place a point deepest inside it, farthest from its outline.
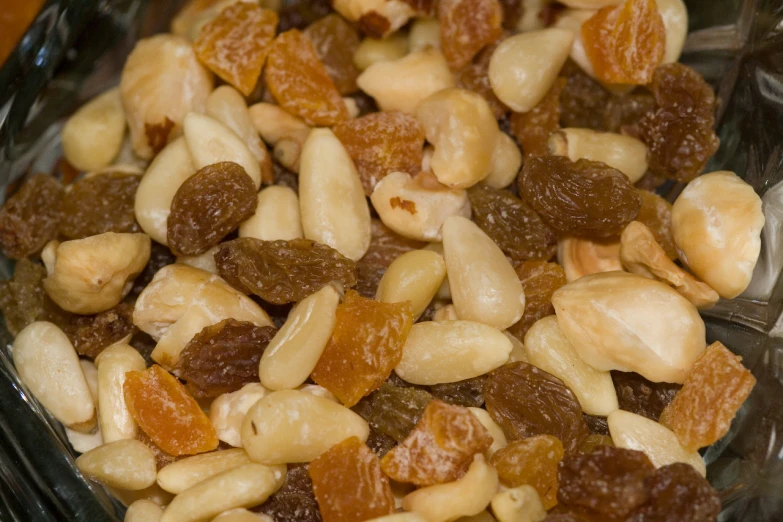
(386, 245)
(469, 393)
(638, 395)
(393, 410)
(475, 77)
(583, 101)
(335, 43)
(369, 278)
(91, 334)
(540, 279)
(678, 494)
(532, 128)
(627, 110)
(597, 424)
(98, 204)
(295, 501)
(29, 219)
(380, 443)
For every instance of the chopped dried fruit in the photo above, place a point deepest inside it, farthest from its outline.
(466, 27)
(380, 443)
(638, 395)
(540, 279)
(298, 14)
(208, 206)
(592, 441)
(369, 278)
(98, 204)
(392, 409)
(282, 271)
(234, 44)
(365, 347)
(656, 214)
(295, 501)
(335, 42)
(381, 143)
(532, 461)
(23, 299)
(625, 43)
(299, 82)
(166, 412)
(626, 109)
(223, 357)
(532, 129)
(91, 334)
(29, 218)
(440, 448)
(511, 223)
(527, 401)
(162, 459)
(349, 484)
(583, 101)
(679, 494)
(679, 88)
(475, 77)
(713, 392)
(386, 245)
(597, 425)
(468, 393)
(609, 481)
(585, 198)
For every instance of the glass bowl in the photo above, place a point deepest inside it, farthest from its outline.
(75, 49)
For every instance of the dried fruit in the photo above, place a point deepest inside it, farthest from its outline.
(381, 143)
(166, 412)
(210, 204)
(678, 493)
(638, 395)
(300, 83)
(532, 461)
(540, 279)
(468, 393)
(593, 441)
(282, 271)
(526, 401)
(585, 198)
(466, 26)
(609, 481)
(713, 392)
(583, 101)
(162, 459)
(369, 278)
(295, 501)
(597, 424)
(627, 109)
(656, 214)
(392, 409)
(349, 484)
(335, 42)
(29, 218)
(223, 357)
(235, 43)
(511, 223)
(625, 43)
(23, 299)
(91, 334)
(532, 129)
(440, 448)
(380, 443)
(98, 204)
(475, 77)
(365, 346)
(387, 245)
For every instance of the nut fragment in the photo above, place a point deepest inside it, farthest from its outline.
(414, 276)
(675, 20)
(498, 437)
(372, 51)
(143, 511)
(506, 162)
(716, 224)
(572, 20)
(84, 442)
(93, 274)
(520, 504)
(424, 33)
(116, 422)
(92, 137)
(273, 123)
(204, 261)
(186, 473)
(624, 153)
(581, 256)
(445, 313)
(518, 352)
(277, 216)
(227, 412)
(378, 17)
(242, 515)
(124, 464)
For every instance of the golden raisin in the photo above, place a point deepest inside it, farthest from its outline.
(540, 279)
(466, 27)
(98, 204)
(29, 218)
(532, 128)
(532, 461)
(365, 346)
(335, 42)
(656, 214)
(166, 412)
(592, 441)
(475, 77)
(234, 45)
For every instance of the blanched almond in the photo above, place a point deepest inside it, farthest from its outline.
(506, 162)
(520, 504)
(92, 137)
(414, 276)
(277, 216)
(675, 20)
(424, 33)
(372, 50)
(124, 464)
(143, 511)
(186, 473)
(113, 363)
(498, 437)
(572, 20)
(205, 261)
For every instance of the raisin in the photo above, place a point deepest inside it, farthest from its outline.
(679, 494)
(22, 299)
(365, 346)
(335, 42)
(583, 101)
(638, 395)
(527, 401)
(386, 245)
(157, 134)
(165, 411)
(512, 12)
(98, 204)
(208, 206)
(475, 77)
(532, 129)
(381, 143)
(393, 410)
(234, 44)
(593, 441)
(440, 448)
(29, 219)
(563, 513)
(369, 277)
(162, 459)
(91, 334)
(466, 27)
(223, 357)
(585, 198)
(626, 110)
(625, 43)
(532, 461)
(295, 501)
(298, 14)
(597, 425)
(540, 279)
(656, 214)
(469, 393)
(380, 443)
(609, 481)
(679, 88)
(282, 271)
(300, 83)
(349, 484)
(512, 224)
(713, 391)
(160, 256)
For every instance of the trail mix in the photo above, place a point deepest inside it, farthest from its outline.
(390, 260)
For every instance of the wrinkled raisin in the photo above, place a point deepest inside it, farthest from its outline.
(208, 206)
(467, 26)
(380, 443)
(679, 88)
(656, 214)
(583, 101)
(627, 109)
(393, 410)
(22, 299)
(475, 77)
(532, 461)
(597, 425)
(469, 393)
(592, 441)
(91, 334)
(98, 204)
(29, 218)
(540, 279)
(282, 271)
(369, 277)
(638, 395)
(295, 501)
(512, 12)
(679, 494)
(335, 42)
(386, 245)
(532, 128)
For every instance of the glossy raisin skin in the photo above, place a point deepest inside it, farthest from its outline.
(583, 198)
(223, 357)
(393, 410)
(527, 401)
(532, 128)
(29, 218)
(98, 204)
(91, 334)
(468, 393)
(638, 395)
(210, 204)
(678, 494)
(540, 279)
(335, 42)
(282, 271)
(295, 501)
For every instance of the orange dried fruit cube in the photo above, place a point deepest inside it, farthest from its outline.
(440, 448)
(349, 484)
(540, 279)
(335, 42)
(381, 143)
(298, 81)
(234, 44)
(532, 128)
(466, 27)
(365, 346)
(167, 413)
(625, 43)
(713, 392)
(532, 461)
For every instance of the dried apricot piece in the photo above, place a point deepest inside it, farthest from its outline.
(335, 42)
(532, 129)
(625, 43)
(532, 461)
(440, 448)
(540, 279)
(349, 484)
(166, 412)
(234, 44)
(710, 397)
(381, 143)
(475, 77)
(299, 82)
(29, 218)
(365, 347)
(656, 214)
(98, 204)
(466, 27)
